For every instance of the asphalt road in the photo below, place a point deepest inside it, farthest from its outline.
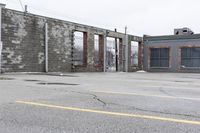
(100, 103)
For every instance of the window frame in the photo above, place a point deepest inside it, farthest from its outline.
(159, 67)
(190, 67)
(84, 46)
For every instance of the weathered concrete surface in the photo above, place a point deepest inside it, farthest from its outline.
(23, 42)
(23, 36)
(172, 95)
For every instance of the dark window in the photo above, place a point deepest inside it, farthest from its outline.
(159, 57)
(190, 57)
(184, 30)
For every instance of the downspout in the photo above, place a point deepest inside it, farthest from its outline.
(46, 48)
(1, 43)
(116, 53)
(105, 47)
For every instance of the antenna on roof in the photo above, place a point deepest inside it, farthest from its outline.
(125, 30)
(26, 9)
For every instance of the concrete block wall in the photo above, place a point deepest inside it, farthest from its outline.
(23, 37)
(23, 42)
(59, 46)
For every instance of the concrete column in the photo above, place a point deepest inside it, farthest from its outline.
(121, 54)
(101, 51)
(90, 49)
(125, 50)
(1, 43)
(129, 54)
(140, 55)
(85, 48)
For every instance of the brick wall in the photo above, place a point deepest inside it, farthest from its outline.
(23, 42)
(174, 46)
(23, 37)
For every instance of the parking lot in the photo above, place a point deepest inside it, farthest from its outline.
(100, 103)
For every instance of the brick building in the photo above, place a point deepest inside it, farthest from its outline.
(174, 53)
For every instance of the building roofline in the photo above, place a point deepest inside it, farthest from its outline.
(66, 21)
(171, 37)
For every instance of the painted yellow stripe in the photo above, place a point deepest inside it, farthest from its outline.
(148, 95)
(112, 113)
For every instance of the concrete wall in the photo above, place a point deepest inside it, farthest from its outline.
(175, 53)
(23, 42)
(23, 37)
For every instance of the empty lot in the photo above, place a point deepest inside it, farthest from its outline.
(100, 103)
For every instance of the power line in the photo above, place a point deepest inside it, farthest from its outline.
(61, 15)
(55, 13)
(21, 5)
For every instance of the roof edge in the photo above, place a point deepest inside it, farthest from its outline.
(171, 37)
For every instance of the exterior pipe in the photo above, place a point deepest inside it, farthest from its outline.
(116, 52)
(126, 52)
(105, 47)
(46, 48)
(1, 43)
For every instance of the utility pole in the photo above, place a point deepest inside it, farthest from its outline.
(125, 30)
(116, 52)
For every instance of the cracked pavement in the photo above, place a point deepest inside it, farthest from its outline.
(164, 95)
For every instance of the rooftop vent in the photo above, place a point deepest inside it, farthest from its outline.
(183, 31)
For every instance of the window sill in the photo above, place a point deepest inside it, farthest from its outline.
(159, 67)
(134, 65)
(190, 68)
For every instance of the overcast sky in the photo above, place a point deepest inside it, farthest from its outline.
(151, 17)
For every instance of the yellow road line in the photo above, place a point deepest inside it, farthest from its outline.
(112, 113)
(148, 95)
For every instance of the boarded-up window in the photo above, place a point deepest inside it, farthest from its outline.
(159, 57)
(190, 57)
